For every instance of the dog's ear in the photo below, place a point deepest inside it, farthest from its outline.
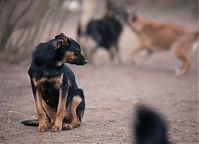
(61, 36)
(61, 41)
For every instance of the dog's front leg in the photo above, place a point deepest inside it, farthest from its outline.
(40, 113)
(60, 110)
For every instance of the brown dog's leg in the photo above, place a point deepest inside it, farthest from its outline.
(135, 52)
(145, 44)
(75, 122)
(181, 49)
(148, 54)
(40, 113)
(186, 64)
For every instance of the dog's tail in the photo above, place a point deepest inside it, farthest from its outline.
(150, 128)
(33, 122)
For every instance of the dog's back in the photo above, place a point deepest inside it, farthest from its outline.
(160, 35)
(150, 128)
(105, 31)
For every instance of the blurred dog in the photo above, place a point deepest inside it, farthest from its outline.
(59, 102)
(154, 36)
(150, 128)
(105, 32)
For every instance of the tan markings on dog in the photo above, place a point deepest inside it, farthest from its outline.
(40, 113)
(51, 113)
(69, 57)
(68, 111)
(37, 83)
(157, 36)
(75, 122)
(60, 112)
(57, 81)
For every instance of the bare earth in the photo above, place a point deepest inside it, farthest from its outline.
(112, 91)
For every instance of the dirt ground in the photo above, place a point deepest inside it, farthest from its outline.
(112, 92)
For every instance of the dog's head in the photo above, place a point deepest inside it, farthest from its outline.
(117, 11)
(136, 21)
(68, 50)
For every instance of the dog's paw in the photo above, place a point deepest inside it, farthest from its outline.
(42, 128)
(56, 128)
(67, 127)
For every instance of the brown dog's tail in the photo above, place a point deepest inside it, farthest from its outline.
(33, 122)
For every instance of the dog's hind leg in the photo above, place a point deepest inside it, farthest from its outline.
(181, 50)
(185, 66)
(76, 113)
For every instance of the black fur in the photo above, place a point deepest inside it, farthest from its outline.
(150, 128)
(48, 62)
(105, 31)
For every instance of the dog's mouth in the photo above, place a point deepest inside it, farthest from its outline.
(79, 62)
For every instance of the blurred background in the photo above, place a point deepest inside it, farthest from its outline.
(25, 23)
(112, 90)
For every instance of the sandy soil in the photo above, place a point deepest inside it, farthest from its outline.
(112, 92)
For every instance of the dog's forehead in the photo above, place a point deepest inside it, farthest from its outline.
(73, 44)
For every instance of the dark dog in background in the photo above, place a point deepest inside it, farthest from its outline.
(59, 102)
(105, 32)
(150, 127)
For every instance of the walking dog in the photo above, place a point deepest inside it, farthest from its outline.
(105, 32)
(59, 102)
(150, 127)
(154, 36)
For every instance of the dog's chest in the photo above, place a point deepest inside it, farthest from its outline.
(50, 89)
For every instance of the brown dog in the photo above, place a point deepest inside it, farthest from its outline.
(155, 36)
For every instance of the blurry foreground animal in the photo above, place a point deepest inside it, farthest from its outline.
(150, 128)
(104, 32)
(59, 102)
(155, 36)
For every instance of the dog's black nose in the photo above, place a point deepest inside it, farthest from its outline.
(85, 61)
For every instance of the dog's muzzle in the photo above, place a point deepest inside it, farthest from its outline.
(85, 61)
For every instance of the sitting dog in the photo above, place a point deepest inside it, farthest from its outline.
(59, 102)
(150, 128)
(105, 32)
(154, 36)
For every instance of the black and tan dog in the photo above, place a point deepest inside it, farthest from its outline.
(59, 102)
(104, 32)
